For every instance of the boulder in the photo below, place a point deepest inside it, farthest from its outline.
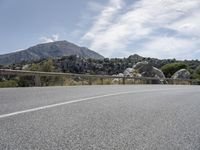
(144, 69)
(181, 74)
(120, 75)
(117, 80)
(128, 72)
(137, 75)
(25, 67)
(147, 70)
(139, 65)
(158, 73)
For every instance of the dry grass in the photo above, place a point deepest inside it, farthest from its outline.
(72, 81)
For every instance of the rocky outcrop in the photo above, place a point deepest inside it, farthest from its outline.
(144, 69)
(147, 70)
(181, 74)
(140, 65)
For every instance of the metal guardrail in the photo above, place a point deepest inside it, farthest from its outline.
(38, 75)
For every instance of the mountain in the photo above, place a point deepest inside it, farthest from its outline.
(48, 50)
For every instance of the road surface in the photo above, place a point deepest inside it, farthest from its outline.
(141, 117)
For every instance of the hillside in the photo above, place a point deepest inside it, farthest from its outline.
(106, 66)
(48, 50)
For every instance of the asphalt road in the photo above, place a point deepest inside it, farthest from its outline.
(100, 117)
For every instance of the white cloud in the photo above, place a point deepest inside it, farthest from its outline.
(167, 47)
(103, 21)
(189, 25)
(53, 38)
(120, 25)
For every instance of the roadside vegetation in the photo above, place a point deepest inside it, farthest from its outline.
(74, 64)
(8, 83)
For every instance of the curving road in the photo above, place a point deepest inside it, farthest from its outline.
(131, 117)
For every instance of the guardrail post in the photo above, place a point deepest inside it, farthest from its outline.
(90, 81)
(134, 81)
(37, 80)
(150, 81)
(82, 82)
(124, 80)
(101, 81)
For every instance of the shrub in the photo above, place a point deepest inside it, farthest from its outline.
(8, 83)
(196, 74)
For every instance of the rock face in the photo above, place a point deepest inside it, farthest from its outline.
(181, 74)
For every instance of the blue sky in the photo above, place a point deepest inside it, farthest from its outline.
(114, 28)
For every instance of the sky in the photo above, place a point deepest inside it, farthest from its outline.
(114, 28)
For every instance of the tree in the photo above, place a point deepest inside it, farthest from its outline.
(34, 67)
(47, 66)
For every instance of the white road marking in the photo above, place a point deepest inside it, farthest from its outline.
(80, 100)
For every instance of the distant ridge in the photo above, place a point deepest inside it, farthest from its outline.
(48, 50)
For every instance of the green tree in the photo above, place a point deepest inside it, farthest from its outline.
(34, 67)
(47, 66)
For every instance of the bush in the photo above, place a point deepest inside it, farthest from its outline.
(197, 71)
(170, 69)
(196, 74)
(25, 81)
(8, 83)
